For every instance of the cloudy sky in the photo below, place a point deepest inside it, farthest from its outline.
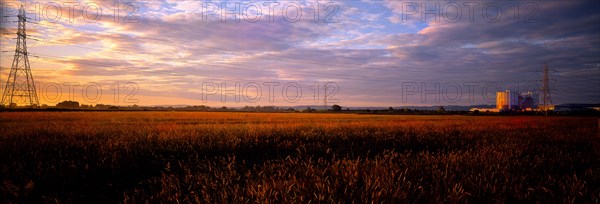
(355, 52)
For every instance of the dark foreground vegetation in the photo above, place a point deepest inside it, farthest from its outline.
(199, 157)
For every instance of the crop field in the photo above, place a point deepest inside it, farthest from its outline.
(203, 157)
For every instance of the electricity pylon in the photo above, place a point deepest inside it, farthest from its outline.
(20, 87)
(547, 100)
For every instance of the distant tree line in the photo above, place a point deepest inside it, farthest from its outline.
(441, 110)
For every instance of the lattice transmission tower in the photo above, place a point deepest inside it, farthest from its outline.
(546, 99)
(20, 87)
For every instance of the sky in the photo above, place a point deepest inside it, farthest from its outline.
(291, 53)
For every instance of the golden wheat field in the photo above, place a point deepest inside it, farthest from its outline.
(203, 157)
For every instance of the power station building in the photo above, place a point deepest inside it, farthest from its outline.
(507, 100)
(514, 100)
(528, 101)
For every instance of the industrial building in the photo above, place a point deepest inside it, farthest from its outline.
(528, 101)
(515, 101)
(507, 100)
